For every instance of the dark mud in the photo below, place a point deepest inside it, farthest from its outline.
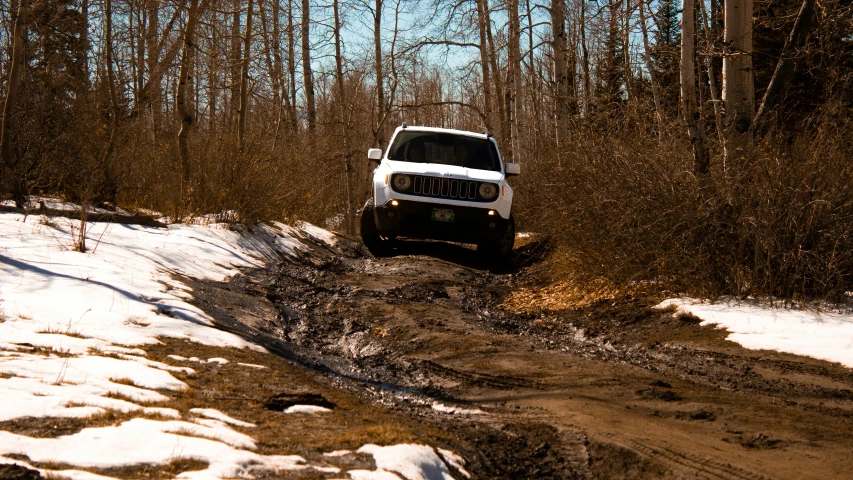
(614, 390)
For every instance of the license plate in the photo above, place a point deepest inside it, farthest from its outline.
(442, 215)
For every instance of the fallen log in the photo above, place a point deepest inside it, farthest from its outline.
(109, 217)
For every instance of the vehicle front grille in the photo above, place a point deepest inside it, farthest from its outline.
(438, 187)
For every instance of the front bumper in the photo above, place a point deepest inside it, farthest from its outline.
(416, 220)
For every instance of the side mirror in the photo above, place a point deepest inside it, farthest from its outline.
(512, 169)
(374, 154)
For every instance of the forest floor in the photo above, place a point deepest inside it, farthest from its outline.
(198, 351)
(615, 389)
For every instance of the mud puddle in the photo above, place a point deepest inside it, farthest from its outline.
(615, 390)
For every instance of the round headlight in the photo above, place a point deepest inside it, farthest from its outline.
(402, 182)
(488, 190)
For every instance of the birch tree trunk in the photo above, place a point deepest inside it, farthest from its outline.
(307, 75)
(692, 116)
(712, 79)
(484, 61)
(11, 175)
(244, 82)
(561, 78)
(738, 86)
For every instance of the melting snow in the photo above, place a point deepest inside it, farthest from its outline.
(72, 345)
(118, 446)
(826, 336)
(217, 415)
(306, 409)
(413, 462)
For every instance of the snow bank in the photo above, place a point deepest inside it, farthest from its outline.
(73, 328)
(825, 336)
(118, 446)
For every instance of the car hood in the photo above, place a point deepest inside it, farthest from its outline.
(441, 170)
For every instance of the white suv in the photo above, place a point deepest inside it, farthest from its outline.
(440, 184)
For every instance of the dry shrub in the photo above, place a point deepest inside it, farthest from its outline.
(626, 208)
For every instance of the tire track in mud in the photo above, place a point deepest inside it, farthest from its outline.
(690, 462)
(420, 327)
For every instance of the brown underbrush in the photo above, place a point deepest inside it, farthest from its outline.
(627, 209)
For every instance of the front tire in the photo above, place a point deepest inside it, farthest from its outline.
(498, 251)
(375, 243)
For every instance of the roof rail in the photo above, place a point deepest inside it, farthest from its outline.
(404, 125)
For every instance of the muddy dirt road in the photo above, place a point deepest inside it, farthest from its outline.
(614, 390)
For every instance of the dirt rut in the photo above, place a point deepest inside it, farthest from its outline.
(616, 390)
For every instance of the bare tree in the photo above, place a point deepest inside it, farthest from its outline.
(738, 86)
(244, 82)
(692, 115)
(185, 112)
(10, 170)
(343, 107)
(653, 76)
(561, 77)
(307, 75)
(780, 81)
(513, 78)
(482, 25)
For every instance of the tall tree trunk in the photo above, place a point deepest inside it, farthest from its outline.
(561, 77)
(234, 57)
(11, 173)
(110, 186)
(307, 75)
(496, 77)
(344, 133)
(781, 80)
(484, 61)
(151, 91)
(514, 77)
(184, 110)
(244, 82)
(738, 86)
(630, 88)
(151, 88)
(647, 56)
(692, 116)
(587, 84)
(379, 137)
(712, 79)
(291, 67)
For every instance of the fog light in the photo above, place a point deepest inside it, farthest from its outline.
(491, 224)
(394, 203)
(390, 214)
(491, 212)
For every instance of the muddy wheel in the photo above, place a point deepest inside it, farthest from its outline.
(498, 251)
(375, 243)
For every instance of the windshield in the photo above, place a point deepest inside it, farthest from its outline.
(446, 149)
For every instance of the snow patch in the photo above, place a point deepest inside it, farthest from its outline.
(119, 446)
(440, 407)
(306, 409)
(821, 335)
(217, 415)
(413, 462)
